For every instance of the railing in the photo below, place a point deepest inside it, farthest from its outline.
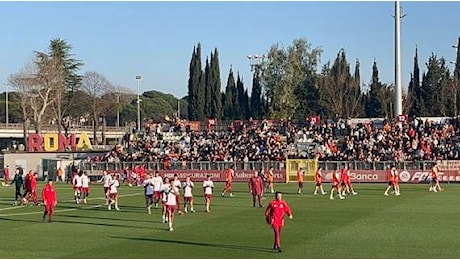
(97, 167)
(49, 127)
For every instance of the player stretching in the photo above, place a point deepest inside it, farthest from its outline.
(208, 186)
(49, 198)
(255, 188)
(157, 183)
(177, 186)
(113, 193)
(434, 177)
(228, 181)
(274, 215)
(148, 192)
(188, 194)
(336, 185)
(319, 182)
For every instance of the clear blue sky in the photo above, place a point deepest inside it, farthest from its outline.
(156, 39)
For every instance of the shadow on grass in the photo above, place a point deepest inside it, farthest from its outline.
(225, 246)
(58, 219)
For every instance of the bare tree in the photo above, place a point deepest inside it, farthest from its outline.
(36, 84)
(96, 86)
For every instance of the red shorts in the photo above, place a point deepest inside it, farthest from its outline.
(318, 183)
(49, 207)
(113, 195)
(228, 185)
(157, 194)
(77, 189)
(188, 199)
(170, 208)
(349, 183)
(335, 185)
(207, 196)
(300, 183)
(85, 190)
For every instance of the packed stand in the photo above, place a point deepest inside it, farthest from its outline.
(334, 140)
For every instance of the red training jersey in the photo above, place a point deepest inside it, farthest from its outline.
(255, 185)
(49, 195)
(275, 212)
(344, 175)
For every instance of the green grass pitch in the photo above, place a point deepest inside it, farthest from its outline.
(418, 224)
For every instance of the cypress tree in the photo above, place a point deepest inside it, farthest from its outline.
(200, 86)
(374, 105)
(256, 105)
(230, 95)
(216, 103)
(191, 108)
(208, 89)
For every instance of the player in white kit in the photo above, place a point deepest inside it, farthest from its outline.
(84, 187)
(165, 188)
(157, 183)
(106, 180)
(113, 193)
(170, 203)
(188, 194)
(148, 192)
(77, 182)
(177, 185)
(208, 186)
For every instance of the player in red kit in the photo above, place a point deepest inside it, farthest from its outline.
(6, 177)
(49, 198)
(274, 215)
(33, 188)
(256, 188)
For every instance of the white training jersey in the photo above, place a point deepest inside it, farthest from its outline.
(188, 187)
(157, 183)
(84, 181)
(165, 189)
(148, 186)
(208, 185)
(114, 186)
(107, 179)
(177, 185)
(77, 181)
(171, 198)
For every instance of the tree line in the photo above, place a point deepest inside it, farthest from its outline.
(289, 83)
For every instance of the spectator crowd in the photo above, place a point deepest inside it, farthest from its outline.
(333, 140)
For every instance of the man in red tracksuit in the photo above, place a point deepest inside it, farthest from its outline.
(49, 200)
(274, 215)
(256, 188)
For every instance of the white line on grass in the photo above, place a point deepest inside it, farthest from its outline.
(62, 210)
(41, 212)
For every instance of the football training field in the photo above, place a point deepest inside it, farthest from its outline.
(417, 224)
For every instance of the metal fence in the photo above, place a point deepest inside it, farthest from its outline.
(97, 167)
